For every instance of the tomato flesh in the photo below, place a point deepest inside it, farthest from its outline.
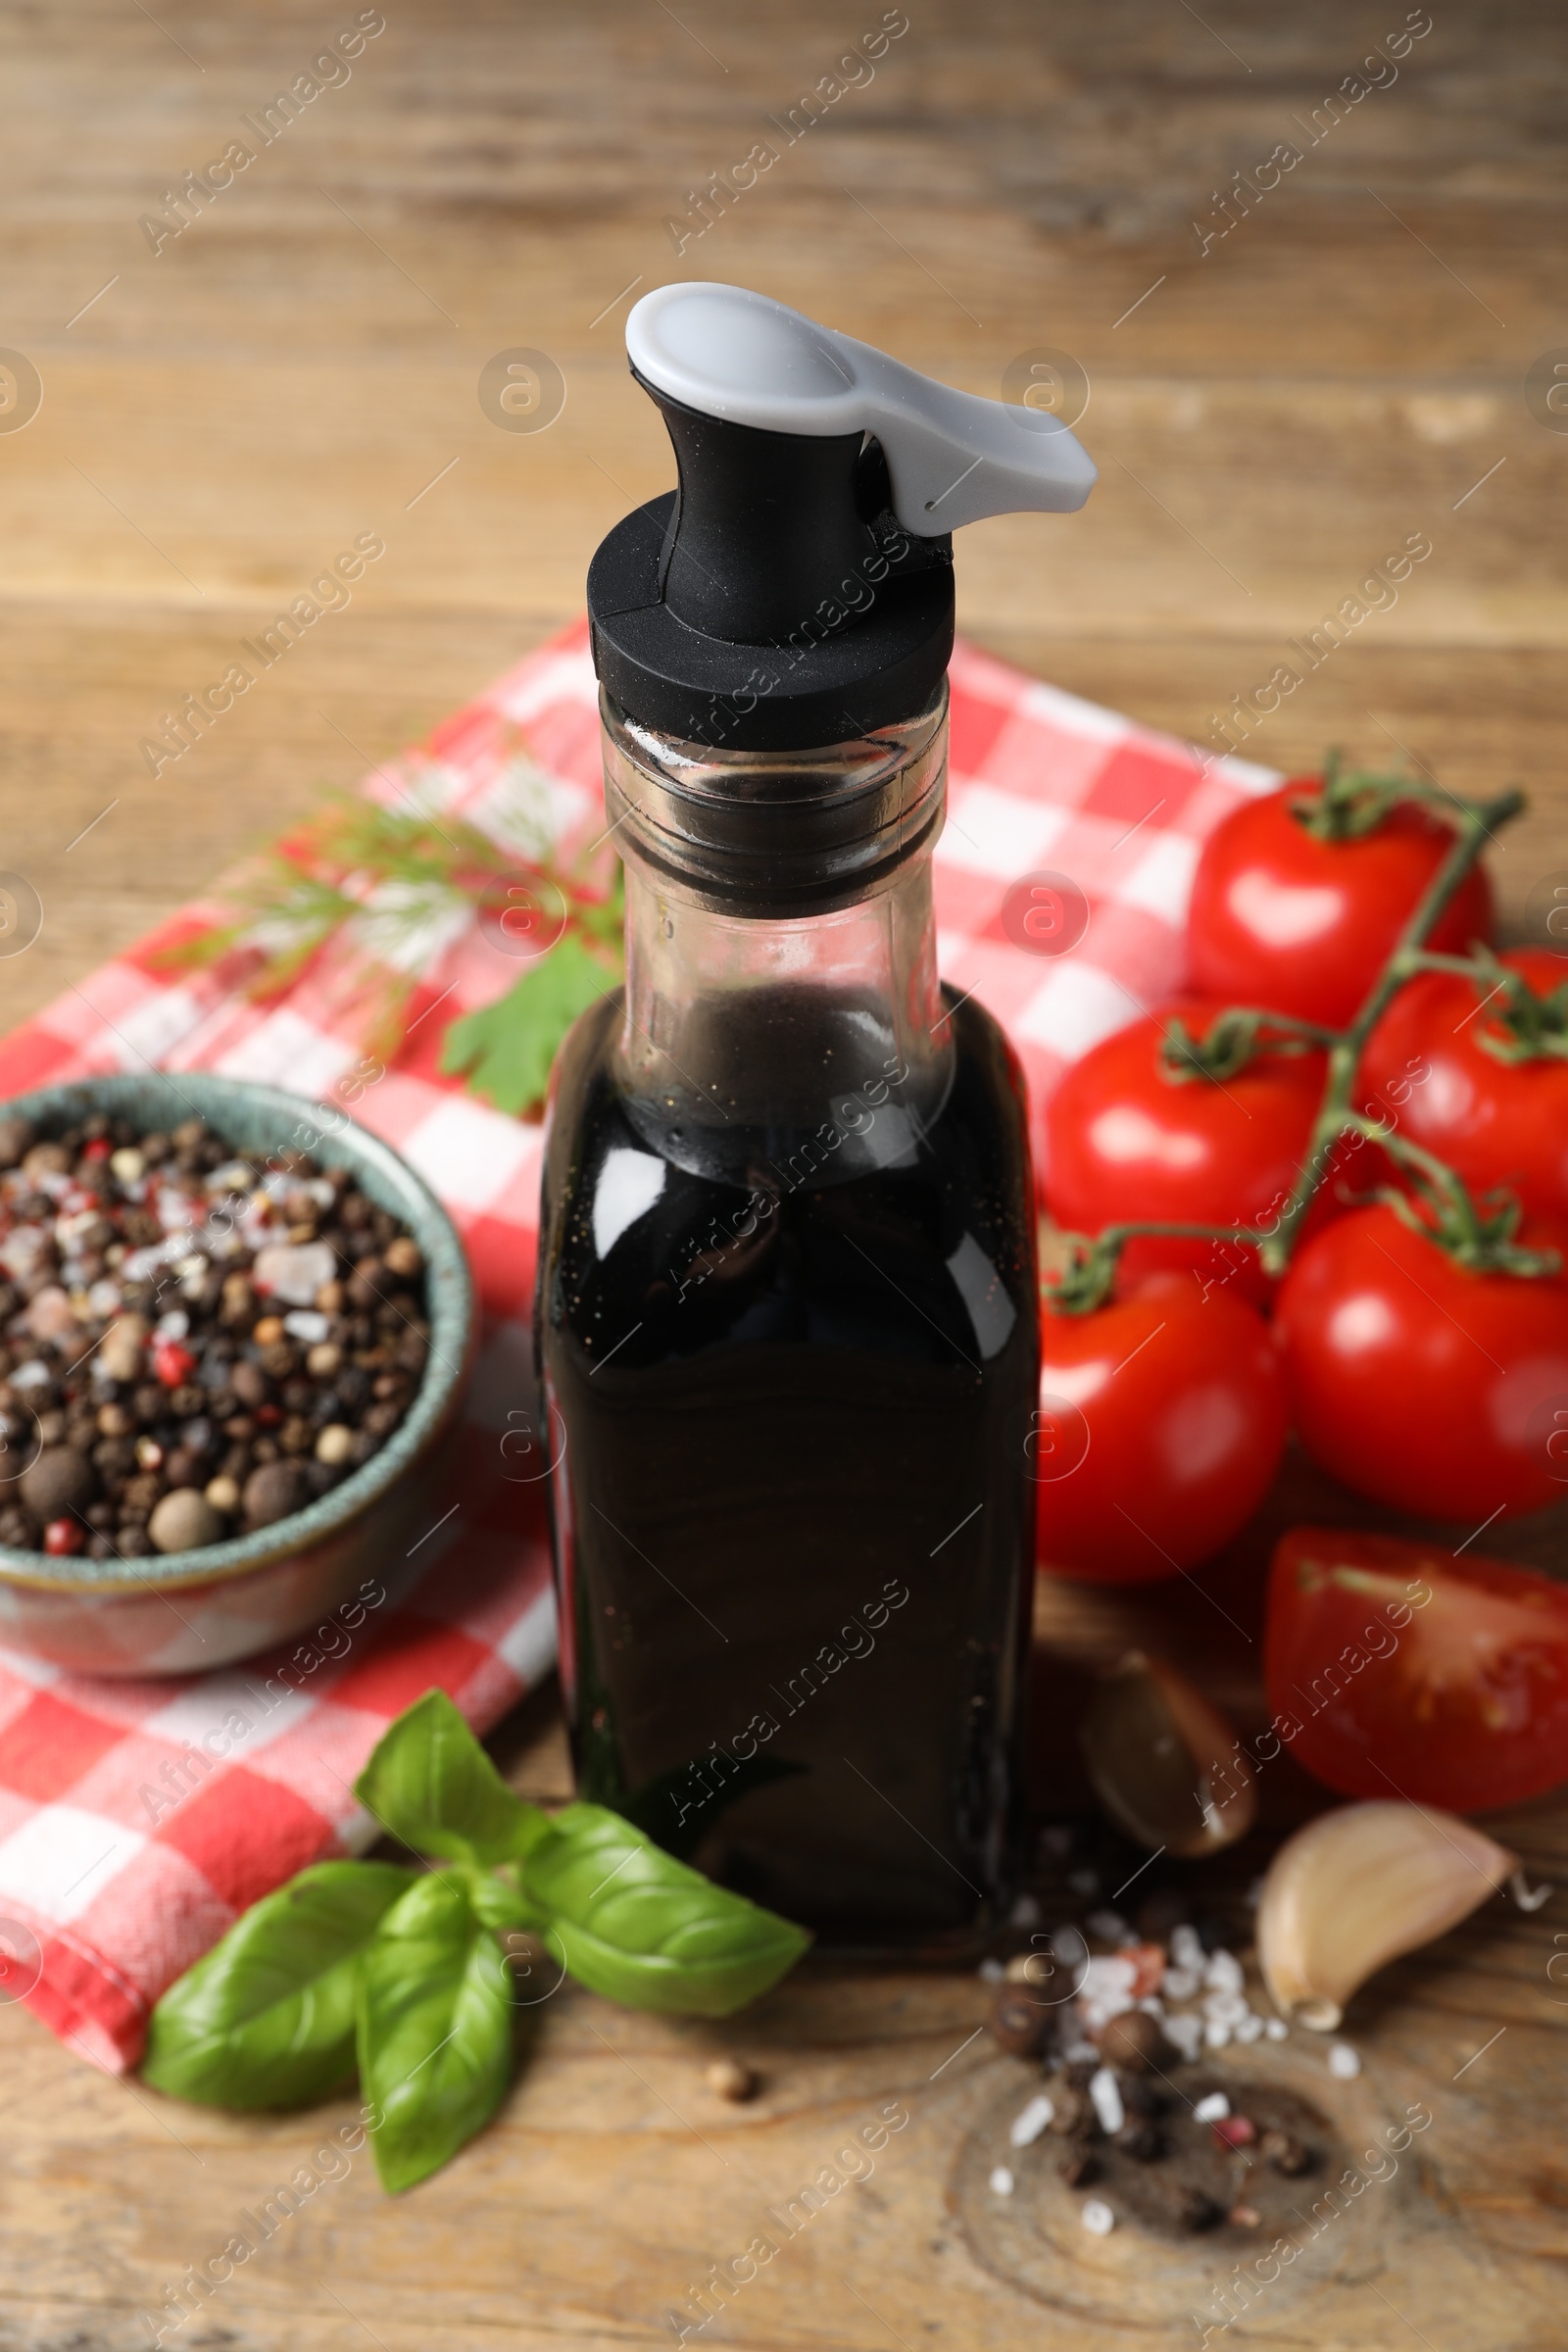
(1162, 1422)
(1282, 918)
(1398, 1670)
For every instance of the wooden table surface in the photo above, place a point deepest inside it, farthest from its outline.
(1272, 414)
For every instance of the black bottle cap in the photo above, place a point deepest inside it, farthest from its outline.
(792, 591)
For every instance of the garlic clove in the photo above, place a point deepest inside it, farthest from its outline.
(1165, 1764)
(1359, 1886)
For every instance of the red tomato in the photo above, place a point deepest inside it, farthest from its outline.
(1126, 1143)
(1282, 918)
(1496, 1122)
(1161, 1420)
(1410, 1673)
(1435, 1389)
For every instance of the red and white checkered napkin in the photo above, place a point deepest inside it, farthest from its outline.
(127, 1844)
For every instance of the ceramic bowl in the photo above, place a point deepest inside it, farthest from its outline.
(186, 1612)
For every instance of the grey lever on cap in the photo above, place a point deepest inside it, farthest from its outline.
(951, 456)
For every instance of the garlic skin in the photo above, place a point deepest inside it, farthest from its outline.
(1165, 1762)
(1357, 1887)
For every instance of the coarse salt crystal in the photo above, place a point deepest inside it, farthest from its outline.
(29, 1374)
(1025, 1912)
(991, 1972)
(1250, 2027)
(1105, 2092)
(1217, 2033)
(1098, 2218)
(1223, 1973)
(1210, 2110)
(1180, 1983)
(1186, 2032)
(1225, 2008)
(1001, 2182)
(306, 1324)
(173, 1326)
(1275, 2028)
(1345, 2063)
(294, 1271)
(1109, 1926)
(1185, 1950)
(1031, 2121)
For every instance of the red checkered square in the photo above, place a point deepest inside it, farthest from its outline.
(49, 1746)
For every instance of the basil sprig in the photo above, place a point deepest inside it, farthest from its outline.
(400, 1972)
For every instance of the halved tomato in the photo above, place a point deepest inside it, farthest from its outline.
(1395, 1669)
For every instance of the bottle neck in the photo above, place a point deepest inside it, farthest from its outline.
(814, 1045)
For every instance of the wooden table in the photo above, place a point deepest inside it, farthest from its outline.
(1272, 415)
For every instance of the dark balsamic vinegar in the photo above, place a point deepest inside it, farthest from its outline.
(793, 1516)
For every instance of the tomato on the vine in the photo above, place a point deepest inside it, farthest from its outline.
(1293, 918)
(1407, 1672)
(1161, 1420)
(1128, 1142)
(1413, 1378)
(1491, 1075)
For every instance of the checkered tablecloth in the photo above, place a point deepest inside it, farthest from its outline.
(108, 1891)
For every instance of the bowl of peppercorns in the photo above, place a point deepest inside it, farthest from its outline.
(231, 1346)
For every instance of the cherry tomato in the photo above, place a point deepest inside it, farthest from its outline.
(1283, 918)
(1496, 1121)
(1408, 1672)
(1412, 1379)
(1161, 1420)
(1125, 1142)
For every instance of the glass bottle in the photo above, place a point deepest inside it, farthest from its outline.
(786, 1316)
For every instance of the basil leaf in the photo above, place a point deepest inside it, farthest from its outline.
(500, 1903)
(430, 1783)
(506, 1048)
(434, 2031)
(630, 1921)
(266, 2019)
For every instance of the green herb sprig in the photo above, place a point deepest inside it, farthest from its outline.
(387, 890)
(401, 1973)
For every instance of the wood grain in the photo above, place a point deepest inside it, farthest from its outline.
(1270, 417)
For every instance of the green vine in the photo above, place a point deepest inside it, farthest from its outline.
(1528, 1026)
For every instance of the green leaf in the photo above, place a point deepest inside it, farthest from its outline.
(435, 2020)
(266, 2017)
(430, 1783)
(506, 1048)
(632, 1923)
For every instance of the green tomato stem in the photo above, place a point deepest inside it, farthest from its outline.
(1474, 1237)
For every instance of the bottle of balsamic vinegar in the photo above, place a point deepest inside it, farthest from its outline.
(786, 1313)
